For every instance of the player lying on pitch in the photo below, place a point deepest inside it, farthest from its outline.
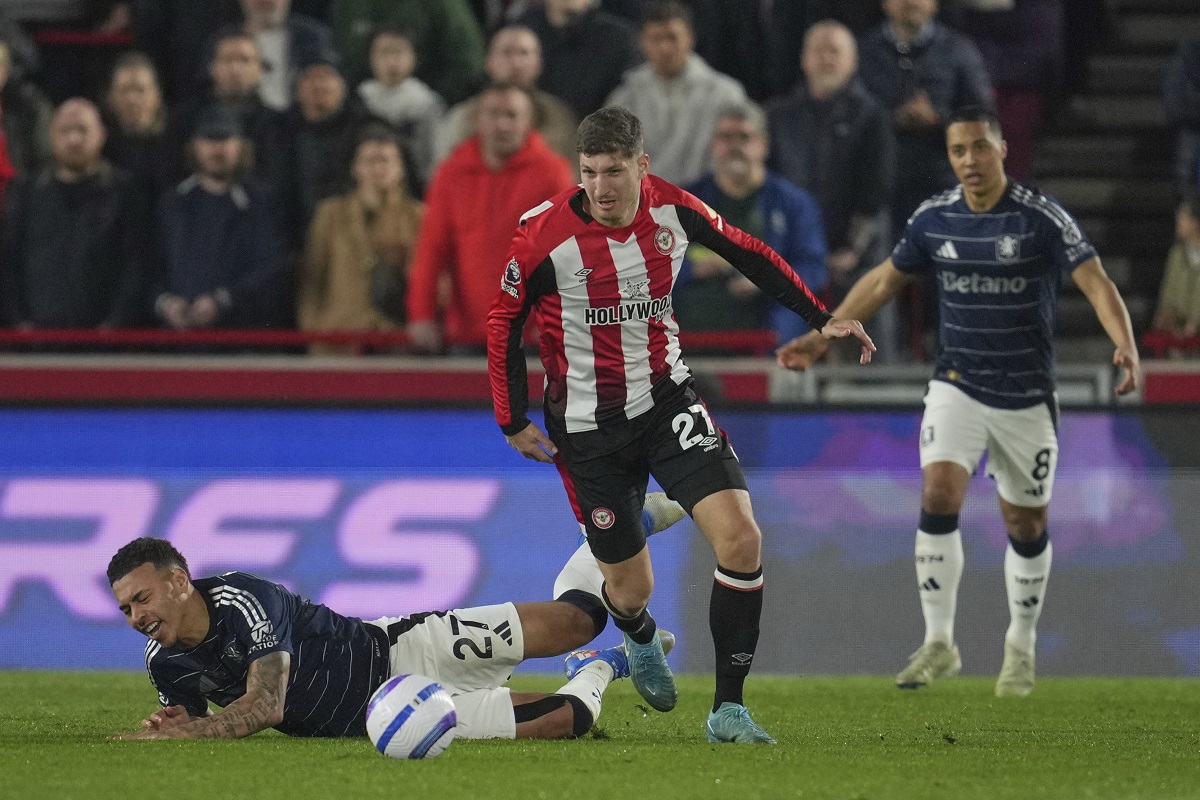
(271, 659)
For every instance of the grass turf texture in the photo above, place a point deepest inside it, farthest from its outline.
(848, 738)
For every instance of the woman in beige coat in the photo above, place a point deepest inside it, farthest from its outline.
(359, 246)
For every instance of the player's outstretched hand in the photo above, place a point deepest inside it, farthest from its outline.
(802, 352)
(532, 443)
(841, 328)
(1131, 366)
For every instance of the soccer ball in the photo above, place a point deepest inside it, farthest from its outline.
(411, 716)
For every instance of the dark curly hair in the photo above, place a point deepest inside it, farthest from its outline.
(159, 552)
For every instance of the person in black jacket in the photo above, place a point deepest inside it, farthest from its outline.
(223, 265)
(835, 140)
(585, 51)
(74, 255)
(142, 137)
(324, 123)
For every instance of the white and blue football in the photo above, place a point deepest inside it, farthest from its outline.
(411, 716)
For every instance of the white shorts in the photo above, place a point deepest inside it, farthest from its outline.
(471, 652)
(1022, 444)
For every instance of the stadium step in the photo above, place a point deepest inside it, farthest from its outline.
(1099, 195)
(1075, 316)
(1125, 72)
(1126, 155)
(1120, 113)
(1129, 235)
(1156, 32)
(1154, 6)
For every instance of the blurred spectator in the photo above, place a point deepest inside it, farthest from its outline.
(831, 137)
(74, 252)
(473, 206)
(676, 95)
(234, 75)
(25, 132)
(404, 101)
(756, 42)
(445, 34)
(177, 34)
(1181, 99)
(325, 124)
(1022, 49)
(24, 60)
(141, 137)
(585, 51)
(1179, 300)
(286, 42)
(514, 56)
(223, 264)
(921, 71)
(711, 294)
(360, 245)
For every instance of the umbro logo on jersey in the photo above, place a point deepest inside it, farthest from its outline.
(947, 251)
(583, 273)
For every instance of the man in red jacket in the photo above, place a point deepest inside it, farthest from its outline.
(474, 202)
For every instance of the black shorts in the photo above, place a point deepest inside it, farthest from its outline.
(606, 471)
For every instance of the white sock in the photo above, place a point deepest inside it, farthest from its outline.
(580, 572)
(939, 559)
(1026, 579)
(589, 685)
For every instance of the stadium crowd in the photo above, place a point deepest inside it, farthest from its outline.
(360, 165)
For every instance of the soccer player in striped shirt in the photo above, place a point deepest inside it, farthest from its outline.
(998, 252)
(597, 265)
(270, 658)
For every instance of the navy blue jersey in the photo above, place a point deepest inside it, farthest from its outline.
(998, 273)
(337, 662)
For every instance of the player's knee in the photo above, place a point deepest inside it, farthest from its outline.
(591, 619)
(939, 499)
(628, 598)
(1024, 524)
(740, 547)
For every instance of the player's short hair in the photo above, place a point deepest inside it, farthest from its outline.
(664, 11)
(745, 111)
(159, 552)
(977, 114)
(610, 130)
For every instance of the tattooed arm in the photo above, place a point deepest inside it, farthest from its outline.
(259, 708)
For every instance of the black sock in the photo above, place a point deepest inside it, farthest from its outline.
(640, 627)
(733, 616)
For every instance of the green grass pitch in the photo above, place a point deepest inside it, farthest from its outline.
(848, 738)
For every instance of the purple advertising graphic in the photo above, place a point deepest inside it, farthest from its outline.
(391, 512)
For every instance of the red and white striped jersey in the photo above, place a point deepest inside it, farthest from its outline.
(602, 299)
